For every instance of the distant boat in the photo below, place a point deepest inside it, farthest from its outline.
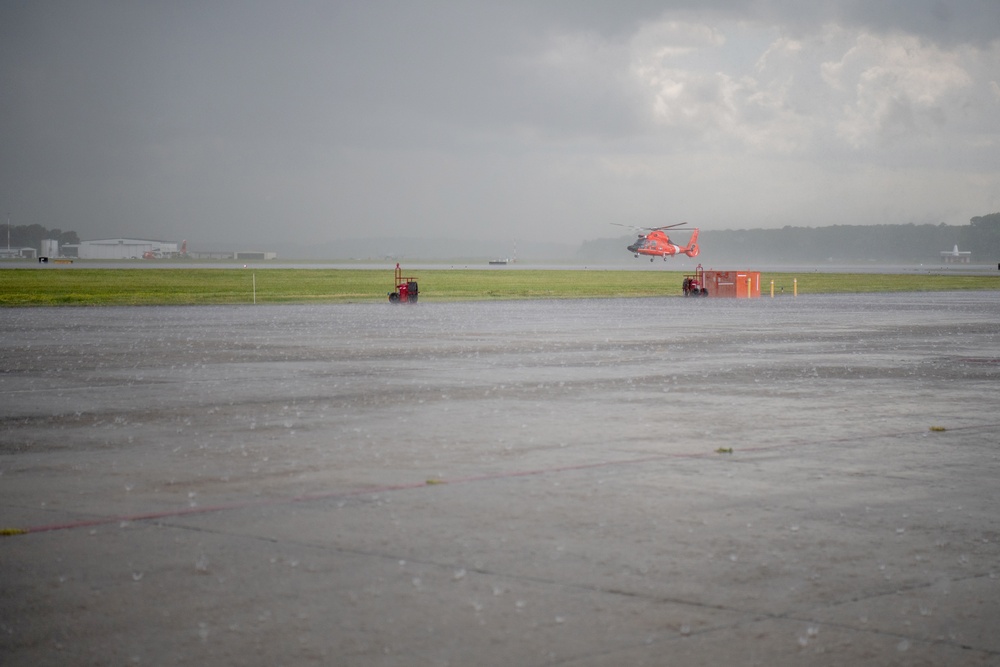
(501, 261)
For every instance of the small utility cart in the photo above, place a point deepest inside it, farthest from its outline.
(694, 284)
(406, 288)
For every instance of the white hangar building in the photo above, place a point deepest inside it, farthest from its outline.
(123, 249)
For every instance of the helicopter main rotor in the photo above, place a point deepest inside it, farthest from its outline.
(651, 229)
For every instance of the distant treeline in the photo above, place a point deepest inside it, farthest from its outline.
(31, 236)
(835, 243)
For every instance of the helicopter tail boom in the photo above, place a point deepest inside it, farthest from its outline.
(692, 249)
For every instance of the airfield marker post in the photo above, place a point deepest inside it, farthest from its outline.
(772, 289)
(795, 286)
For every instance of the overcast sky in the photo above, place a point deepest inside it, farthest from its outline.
(546, 121)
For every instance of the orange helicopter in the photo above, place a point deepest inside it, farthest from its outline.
(657, 244)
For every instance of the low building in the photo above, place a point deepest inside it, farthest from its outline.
(18, 253)
(121, 248)
(255, 254)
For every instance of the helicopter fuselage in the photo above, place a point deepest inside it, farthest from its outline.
(658, 244)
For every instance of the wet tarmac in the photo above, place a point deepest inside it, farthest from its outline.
(783, 481)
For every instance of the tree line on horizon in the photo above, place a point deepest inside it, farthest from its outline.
(31, 236)
(838, 243)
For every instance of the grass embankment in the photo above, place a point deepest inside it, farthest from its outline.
(85, 287)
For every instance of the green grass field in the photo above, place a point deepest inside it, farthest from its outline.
(125, 286)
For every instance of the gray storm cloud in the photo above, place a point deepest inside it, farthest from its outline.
(312, 122)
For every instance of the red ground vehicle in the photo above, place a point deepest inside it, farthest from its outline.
(694, 285)
(406, 288)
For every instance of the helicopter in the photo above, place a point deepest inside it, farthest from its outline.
(657, 244)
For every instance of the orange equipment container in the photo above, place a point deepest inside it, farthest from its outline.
(732, 284)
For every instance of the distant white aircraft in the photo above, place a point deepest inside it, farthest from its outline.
(956, 255)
